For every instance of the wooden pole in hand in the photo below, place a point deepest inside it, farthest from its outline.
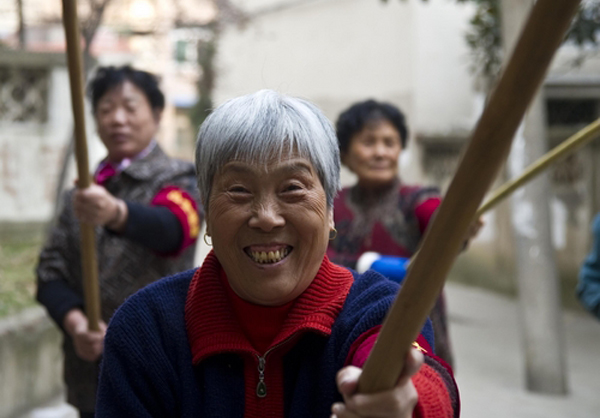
(88, 244)
(487, 150)
(569, 146)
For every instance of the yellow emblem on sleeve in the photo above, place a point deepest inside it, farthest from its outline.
(418, 347)
(186, 206)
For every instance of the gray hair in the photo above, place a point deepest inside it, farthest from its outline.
(255, 126)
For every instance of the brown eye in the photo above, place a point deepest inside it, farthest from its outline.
(238, 189)
(292, 188)
(389, 143)
(369, 141)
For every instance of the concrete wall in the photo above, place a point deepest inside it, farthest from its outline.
(414, 54)
(31, 151)
(336, 52)
(30, 362)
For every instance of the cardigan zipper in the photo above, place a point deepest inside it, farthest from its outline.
(261, 387)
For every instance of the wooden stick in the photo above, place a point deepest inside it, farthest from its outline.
(567, 147)
(488, 149)
(88, 243)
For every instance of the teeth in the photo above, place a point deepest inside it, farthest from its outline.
(264, 257)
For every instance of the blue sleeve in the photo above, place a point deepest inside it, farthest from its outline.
(147, 365)
(588, 288)
(134, 373)
(367, 305)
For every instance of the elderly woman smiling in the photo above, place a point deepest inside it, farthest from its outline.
(267, 327)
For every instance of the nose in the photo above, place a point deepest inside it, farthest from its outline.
(380, 149)
(119, 116)
(266, 216)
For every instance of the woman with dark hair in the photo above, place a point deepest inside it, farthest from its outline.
(267, 326)
(145, 207)
(380, 213)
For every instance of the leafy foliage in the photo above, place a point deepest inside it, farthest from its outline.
(586, 26)
(485, 37)
(17, 280)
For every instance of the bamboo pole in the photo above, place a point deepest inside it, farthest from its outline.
(487, 150)
(88, 244)
(567, 147)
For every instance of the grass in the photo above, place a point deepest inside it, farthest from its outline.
(18, 258)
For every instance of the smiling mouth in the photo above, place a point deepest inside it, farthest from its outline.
(268, 257)
(119, 137)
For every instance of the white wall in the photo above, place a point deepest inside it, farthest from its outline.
(336, 52)
(31, 155)
(330, 51)
(444, 95)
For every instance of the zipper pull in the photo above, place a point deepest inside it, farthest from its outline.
(261, 388)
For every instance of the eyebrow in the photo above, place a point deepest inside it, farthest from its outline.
(107, 100)
(245, 168)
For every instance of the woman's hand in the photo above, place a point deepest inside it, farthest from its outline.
(96, 206)
(472, 232)
(398, 402)
(88, 344)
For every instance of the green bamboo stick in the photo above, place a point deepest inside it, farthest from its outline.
(569, 146)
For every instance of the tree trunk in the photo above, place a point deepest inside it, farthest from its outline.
(537, 276)
(21, 24)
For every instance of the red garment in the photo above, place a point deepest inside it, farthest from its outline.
(213, 327)
(184, 207)
(425, 210)
(105, 171)
(434, 400)
(389, 222)
(260, 324)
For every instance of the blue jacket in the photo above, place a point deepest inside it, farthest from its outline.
(147, 368)
(588, 288)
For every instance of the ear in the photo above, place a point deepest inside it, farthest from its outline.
(331, 220)
(207, 229)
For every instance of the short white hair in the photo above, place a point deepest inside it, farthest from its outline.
(255, 126)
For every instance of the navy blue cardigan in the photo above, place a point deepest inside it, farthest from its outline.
(147, 367)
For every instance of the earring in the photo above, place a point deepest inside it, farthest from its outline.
(332, 234)
(207, 240)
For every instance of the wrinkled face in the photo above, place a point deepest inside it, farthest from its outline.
(269, 226)
(126, 122)
(373, 154)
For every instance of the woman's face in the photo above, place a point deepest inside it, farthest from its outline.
(373, 154)
(269, 226)
(126, 122)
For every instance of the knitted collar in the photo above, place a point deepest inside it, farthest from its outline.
(211, 324)
(260, 324)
